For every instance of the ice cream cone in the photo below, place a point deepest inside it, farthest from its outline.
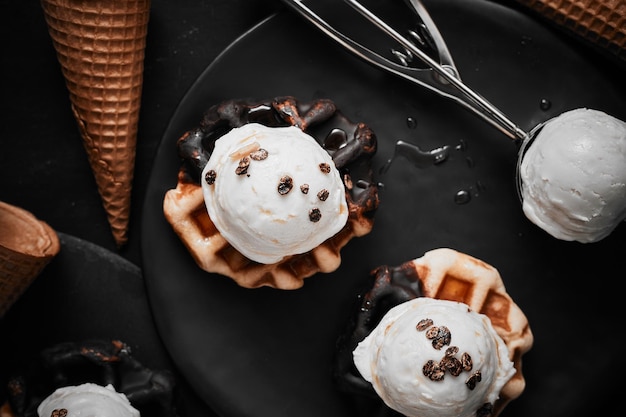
(27, 245)
(100, 45)
(602, 22)
(5, 410)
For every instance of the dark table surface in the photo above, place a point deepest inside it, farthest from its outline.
(43, 166)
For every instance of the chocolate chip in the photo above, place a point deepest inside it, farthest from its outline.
(259, 154)
(433, 371)
(323, 195)
(424, 324)
(304, 188)
(466, 361)
(285, 185)
(451, 351)
(210, 176)
(440, 336)
(432, 332)
(315, 215)
(325, 168)
(242, 168)
(452, 365)
(473, 380)
(59, 412)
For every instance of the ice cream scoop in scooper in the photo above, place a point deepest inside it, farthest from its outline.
(571, 175)
(571, 171)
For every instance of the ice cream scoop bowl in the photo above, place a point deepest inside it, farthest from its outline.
(442, 77)
(571, 175)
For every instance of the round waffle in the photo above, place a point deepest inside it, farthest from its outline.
(444, 274)
(351, 145)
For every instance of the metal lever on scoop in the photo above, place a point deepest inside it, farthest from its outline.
(440, 77)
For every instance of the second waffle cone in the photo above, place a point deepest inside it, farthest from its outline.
(27, 245)
(601, 22)
(100, 45)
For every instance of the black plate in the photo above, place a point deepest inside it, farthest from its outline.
(267, 352)
(87, 293)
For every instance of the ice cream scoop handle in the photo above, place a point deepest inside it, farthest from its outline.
(448, 73)
(440, 77)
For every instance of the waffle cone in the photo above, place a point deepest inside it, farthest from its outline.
(5, 410)
(27, 245)
(100, 45)
(602, 22)
(447, 274)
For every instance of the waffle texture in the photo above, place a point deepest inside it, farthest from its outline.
(601, 22)
(100, 45)
(27, 245)
(352, 144)
(447, 274)
(185, 210)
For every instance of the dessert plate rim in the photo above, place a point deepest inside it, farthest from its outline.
(208, 324)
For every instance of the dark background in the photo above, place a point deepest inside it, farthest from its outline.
(44, 169)
(43, 166)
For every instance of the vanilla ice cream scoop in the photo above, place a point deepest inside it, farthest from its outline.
(573, 176)
(435, 358)
(87, 400)
(273, 192)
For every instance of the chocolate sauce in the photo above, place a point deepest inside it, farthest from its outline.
(462, 197)
(545, 104)
(388, 287)
(100, 362)
(417, 156)
(350, 144)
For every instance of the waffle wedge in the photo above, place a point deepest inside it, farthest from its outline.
(444, 274)
(451, 275)
(185, 210)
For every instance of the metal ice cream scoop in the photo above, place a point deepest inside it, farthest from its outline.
(439, 75)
